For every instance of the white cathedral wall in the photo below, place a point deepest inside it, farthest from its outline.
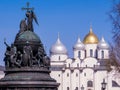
(75, 81)
(76, 54)
(68, 62)
(75, 63)
(57, 63)
(99, 54)
(72, 77)
(99, 76)
(86, 75)
(106, 54)
(113, 75)
(88, 47)
(67, 79)
(89, 62)
(58, 57)
(57, 75)
(110, 83)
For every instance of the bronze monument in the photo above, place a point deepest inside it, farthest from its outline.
(26, 62)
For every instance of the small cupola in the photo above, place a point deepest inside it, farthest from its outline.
(79, 45)
(102, 44)
(58, 47)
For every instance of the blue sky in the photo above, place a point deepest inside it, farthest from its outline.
(71, 18)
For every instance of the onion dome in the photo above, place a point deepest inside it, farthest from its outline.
(79, 45)
(58, 48)
(90, 38)
(102, 44)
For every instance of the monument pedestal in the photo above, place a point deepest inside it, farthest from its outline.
(28, 79)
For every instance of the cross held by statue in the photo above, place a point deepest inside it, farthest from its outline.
(27, 8)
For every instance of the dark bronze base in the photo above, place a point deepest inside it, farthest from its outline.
(28, 85)
(28, 79)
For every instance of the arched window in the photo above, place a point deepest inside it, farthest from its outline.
(69, 64)
(102, 54)
(85, 53)
(67, 74)
(96, 53)
(77, 64)
(79, 54)
(89, 84)
(58, 75)
(91, 53)
(59, 57)
(76, 74)
(76, 88)
(67, 88)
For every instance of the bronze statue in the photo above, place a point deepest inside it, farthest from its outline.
(27, 55)
(11, 56)
(7, 57)
(23, 26)
(26, 62)
(30, 17)
(46, 61)
(40, 56)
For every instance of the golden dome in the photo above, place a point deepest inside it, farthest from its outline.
(90, 38)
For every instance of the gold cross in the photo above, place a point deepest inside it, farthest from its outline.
(27, 8)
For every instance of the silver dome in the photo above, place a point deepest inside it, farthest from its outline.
(79, 45)
(58, 48)
(102, 44)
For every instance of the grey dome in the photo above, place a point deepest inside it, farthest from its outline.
(58, 48)
(79, 45)
(102, 44)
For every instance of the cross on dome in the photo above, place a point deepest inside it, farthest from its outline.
(27, 8)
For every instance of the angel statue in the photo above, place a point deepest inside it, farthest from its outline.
(23, 26)
(30, 16)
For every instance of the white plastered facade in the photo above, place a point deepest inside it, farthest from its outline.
(87, 68)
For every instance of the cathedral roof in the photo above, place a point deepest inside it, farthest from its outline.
(78, 45)
(58, 48)
(90, 38)
(102, 44)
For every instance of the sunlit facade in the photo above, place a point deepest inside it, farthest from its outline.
(88, 68)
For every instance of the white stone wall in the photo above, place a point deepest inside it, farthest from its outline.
(58, 57)
(88, 47)
(57, 75)
(106, 53)
(89, 62)
(82, 54)
(98, 77)
(78, 71)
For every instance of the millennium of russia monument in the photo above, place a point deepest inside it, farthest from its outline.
(26, 63)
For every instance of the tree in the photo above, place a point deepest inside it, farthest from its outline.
(115, 47)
